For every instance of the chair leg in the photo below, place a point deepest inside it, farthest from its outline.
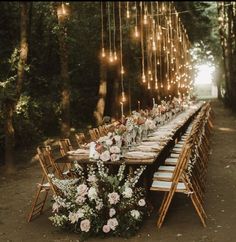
(199, 209)
(38, 205)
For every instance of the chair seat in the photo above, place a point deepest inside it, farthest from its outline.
(166, 168)
(178, 145)
(174, 155)
(171, 161)
(177, 150)
(166, 185)
(162, 175)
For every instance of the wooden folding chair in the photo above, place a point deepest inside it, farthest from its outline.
(94, 134)
(65, 146)
(45, 185)
(80, 139)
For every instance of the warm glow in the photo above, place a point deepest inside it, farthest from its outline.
(123, 98)
(122, 70)
(143, 78)
(103, 53)
(115, 56)
(145, 19)
(204, 74)
(136, 33)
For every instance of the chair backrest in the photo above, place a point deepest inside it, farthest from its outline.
(80, 138)
(94, 134)
(47, 164)
(65, 146)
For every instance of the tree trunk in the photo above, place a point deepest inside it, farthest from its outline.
(100, 108)
(65, 94)
(9, 138)
(11, 105)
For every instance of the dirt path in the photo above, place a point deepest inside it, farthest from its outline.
(181, 224)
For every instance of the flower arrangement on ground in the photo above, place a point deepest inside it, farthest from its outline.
(100, 203)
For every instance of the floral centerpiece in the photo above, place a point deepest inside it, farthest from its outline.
(107, 148)
(100, 203)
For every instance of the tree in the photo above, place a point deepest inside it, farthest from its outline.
(10, 104)
(65, 93)
(227, 30)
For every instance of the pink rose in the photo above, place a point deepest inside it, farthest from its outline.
(80, 200)
(114, 198)
(105, 156)
(115, 149)
(106, 228)
(85, 225)
(112, 223)
(115, 157)
(82, 190)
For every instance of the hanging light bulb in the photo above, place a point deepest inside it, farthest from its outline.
(154, 48)
(149, 86)
(122, 70)
(145, 19)
(136, 33)
(123, 98)
(103, 53)
(111, 57)
(127, 11)
(161, 85)
(115, 56)
(156, 85)
(143, 78)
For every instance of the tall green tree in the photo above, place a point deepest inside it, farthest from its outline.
(10, 104)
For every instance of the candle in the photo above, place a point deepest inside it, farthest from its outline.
(153, 100)
(122, 111)
(138, 105)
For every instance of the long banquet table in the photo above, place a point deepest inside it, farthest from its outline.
(152, 164)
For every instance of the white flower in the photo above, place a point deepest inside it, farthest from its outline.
(106, 228)
(117, 138)
(128, 192)
(135, 214)
(80, 213)
(112, 212)
(141, 202)
(82, 190)
(109, 142)
(105, 156)
(99, 206)
(109, 135)
(73, 217)
(85, 225)
(92, 178)
(92, 193)
(96, 155)
(55, 207)
(115, 157)
(114, 198)
(112, 223)
(80, 200)
(115, 149)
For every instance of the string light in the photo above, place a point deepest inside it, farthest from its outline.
(114, 33)
(109, 29)
(127, 11)
(136, 33)
(102, 37)
(121, 57)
